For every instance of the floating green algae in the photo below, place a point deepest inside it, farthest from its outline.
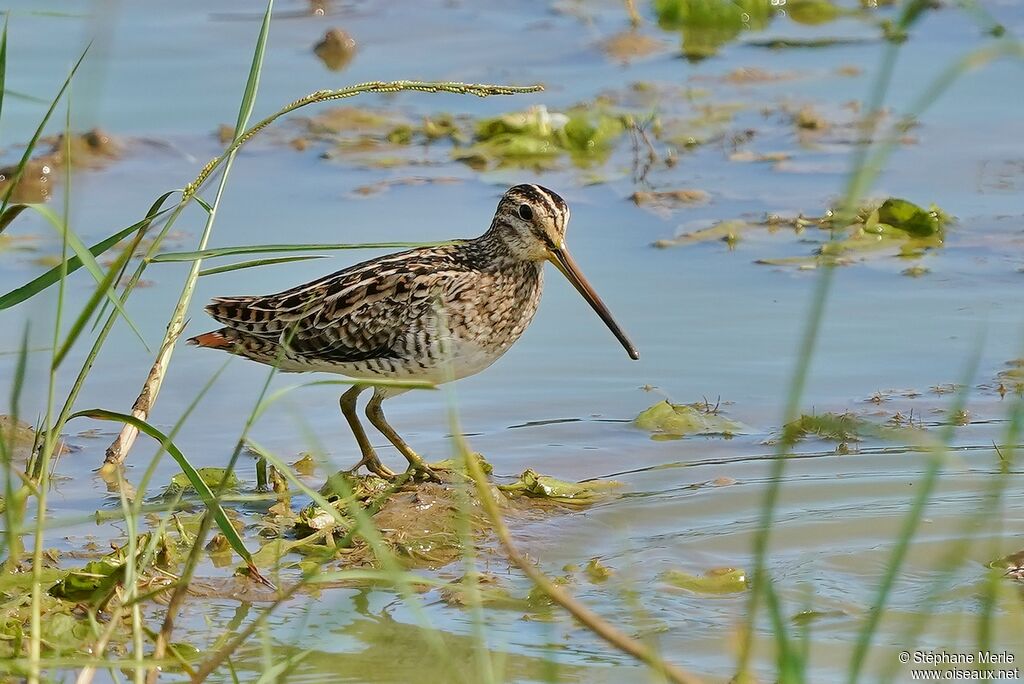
(679, 420)
(537, 138)
(833, 427)
(597, 571)
(212, 477)
(705, 26)
(535, 486)
(909, 218)
(847, 427)
(714, 581)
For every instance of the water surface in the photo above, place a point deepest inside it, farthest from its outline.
(708, 321)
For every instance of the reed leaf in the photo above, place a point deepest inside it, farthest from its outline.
(3, 66)
(10, 214)
(257, 262)
(265, 249)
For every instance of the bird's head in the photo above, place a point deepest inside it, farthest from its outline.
(531, 221)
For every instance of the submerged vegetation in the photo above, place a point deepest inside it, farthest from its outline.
(184, 576)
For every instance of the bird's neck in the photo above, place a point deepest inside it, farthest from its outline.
(501, 249)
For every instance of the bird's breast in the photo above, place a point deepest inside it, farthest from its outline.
(494, 311)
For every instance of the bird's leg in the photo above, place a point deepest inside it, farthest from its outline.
(376, 415)
(369, 458)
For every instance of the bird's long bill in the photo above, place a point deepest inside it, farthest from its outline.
(560, 257)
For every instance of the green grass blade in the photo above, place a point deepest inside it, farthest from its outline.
(19, 373)
(94, 301)
(10, 214)
(16, 177)
(255, 69)
(219, 515)
(51, 277)
(257, 262)
(18, 95)
(3, 66)
(277, 671)
(12, 507)
(262, 249)
(89, 261)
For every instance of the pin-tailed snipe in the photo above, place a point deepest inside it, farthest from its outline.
(433, 313)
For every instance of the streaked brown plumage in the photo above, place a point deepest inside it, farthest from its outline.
(433, 313)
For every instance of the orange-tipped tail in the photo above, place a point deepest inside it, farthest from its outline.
(212, 340)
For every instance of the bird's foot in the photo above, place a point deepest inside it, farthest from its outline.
(421, 472)
(374, 465)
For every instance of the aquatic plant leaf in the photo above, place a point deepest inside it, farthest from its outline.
(833, 427)
(211, 477)
(684, 419)
(194, 478)
(808, 43)
(487, 593)
(597, 571)
(1012, 565)
(707, 25)
(537, 486)
(3, 67)
(714, 581)
(812, 12)
(362, 488)
(306, 465)
(908, 217)
(537, 137)
(94, 581)
(728, 231)
(808, 617)
(458, 464)
(587, 133)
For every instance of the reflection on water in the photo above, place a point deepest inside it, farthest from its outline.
(745, 130)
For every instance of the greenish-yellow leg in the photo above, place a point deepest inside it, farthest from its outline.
(376, 415)
(369, 456)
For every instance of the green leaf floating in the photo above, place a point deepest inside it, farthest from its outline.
(211, 477)
(714, 581)
(910, 218)
(537, 486)
(679, 420)
(812, 12)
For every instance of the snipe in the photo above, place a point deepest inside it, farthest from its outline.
(433, 313)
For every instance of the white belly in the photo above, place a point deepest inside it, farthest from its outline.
(460, 359)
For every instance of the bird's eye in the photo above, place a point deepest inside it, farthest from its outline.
(525, 212)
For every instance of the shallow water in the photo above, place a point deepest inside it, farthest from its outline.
(707, 320)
